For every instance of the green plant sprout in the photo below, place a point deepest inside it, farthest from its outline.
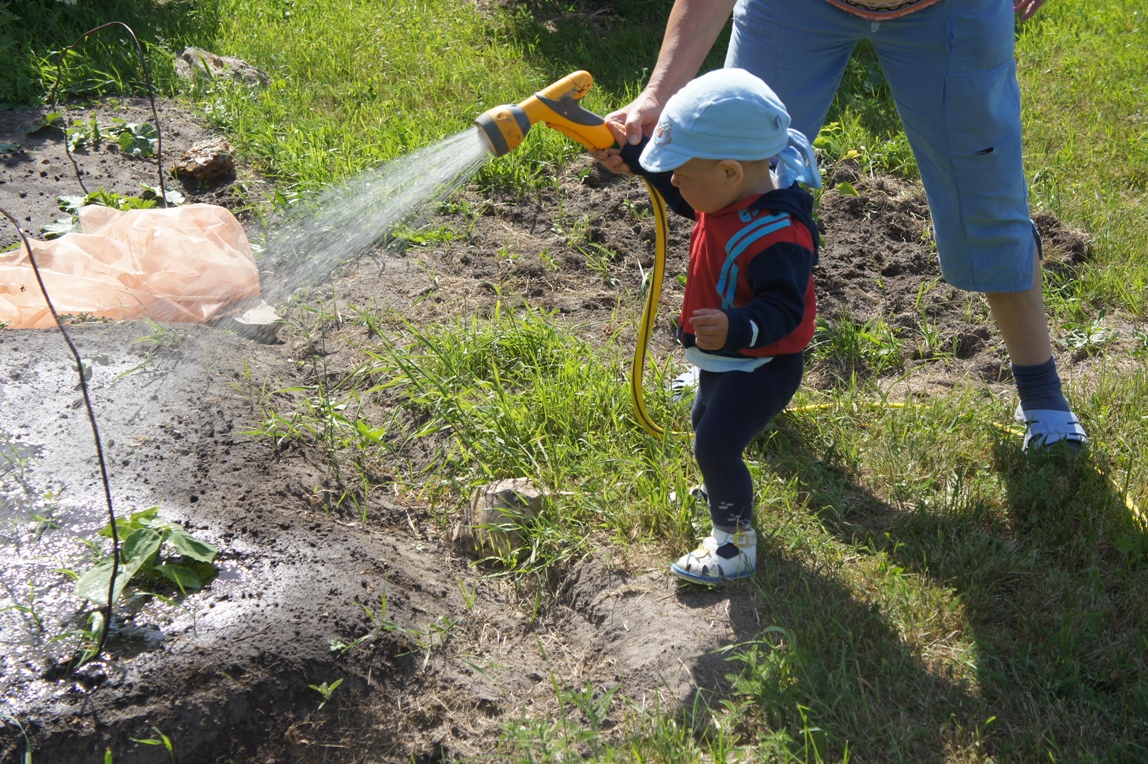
(27, 758)
(137, 139)
(84, 134)
(163, 740)
(29, 610)
(325, 690)
(50, 120)
(1090, 338)
(379, 625)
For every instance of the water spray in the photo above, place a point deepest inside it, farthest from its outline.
(558, 106)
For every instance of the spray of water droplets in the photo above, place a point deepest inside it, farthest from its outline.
(347, 221)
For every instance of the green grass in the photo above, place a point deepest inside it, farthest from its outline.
(1087, 139)
(32, 32)
(926, 593)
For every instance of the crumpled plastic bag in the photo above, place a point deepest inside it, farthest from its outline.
(178, 264)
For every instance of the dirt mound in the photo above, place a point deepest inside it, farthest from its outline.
(434, 656)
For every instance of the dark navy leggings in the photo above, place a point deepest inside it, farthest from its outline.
(730, 409)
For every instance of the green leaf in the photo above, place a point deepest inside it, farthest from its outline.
(71, 204)
(139, 139)
(60, 228)
(93, 585)
(140, 546)
(184, 578)
(172, 196)
(49, 120)
(845, 188)
(140, 519)
(8, 148)
(136, 552)
(374, 435)
(189, 546)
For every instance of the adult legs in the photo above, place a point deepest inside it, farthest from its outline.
(799, 48)
(951, 69)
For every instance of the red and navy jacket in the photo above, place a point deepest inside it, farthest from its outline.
(754, 261)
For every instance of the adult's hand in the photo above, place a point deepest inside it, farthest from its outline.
(691, 30)
(1026, 9)
(629, 124)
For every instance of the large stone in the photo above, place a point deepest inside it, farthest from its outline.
(491, 523)
(194, 63)
(207, 161)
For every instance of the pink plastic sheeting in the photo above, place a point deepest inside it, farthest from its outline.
(179, 264)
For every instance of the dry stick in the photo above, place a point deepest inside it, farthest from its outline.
(150, 96)
(95, 432)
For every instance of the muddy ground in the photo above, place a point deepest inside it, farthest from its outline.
(226, 673)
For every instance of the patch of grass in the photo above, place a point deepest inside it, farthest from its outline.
(33, 31)
(1086, 146)
(851, 347)
(926, 591)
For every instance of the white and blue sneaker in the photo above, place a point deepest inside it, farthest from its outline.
(721, 557)
(1043, 427)
(684, 383)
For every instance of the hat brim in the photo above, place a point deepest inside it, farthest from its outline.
(657, 158)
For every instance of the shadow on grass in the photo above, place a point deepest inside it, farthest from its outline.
(821, 675)
(1052, 591)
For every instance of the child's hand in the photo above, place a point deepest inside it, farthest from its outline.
(711, 328)
(611, 159)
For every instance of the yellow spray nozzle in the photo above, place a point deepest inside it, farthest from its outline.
(557, 106)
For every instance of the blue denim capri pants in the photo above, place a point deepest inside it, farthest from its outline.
(952, 72)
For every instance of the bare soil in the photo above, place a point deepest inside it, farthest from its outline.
(226, 672)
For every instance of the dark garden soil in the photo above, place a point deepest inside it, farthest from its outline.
(226, 673)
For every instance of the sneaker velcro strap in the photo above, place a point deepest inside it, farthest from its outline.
(1046, 427)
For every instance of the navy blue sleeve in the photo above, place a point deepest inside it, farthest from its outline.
(659, 180)
(779, 276)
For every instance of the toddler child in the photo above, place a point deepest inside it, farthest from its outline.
(723, 154)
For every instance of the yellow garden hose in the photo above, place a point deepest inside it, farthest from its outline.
(650, 313)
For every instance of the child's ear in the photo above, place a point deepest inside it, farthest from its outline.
(732, 170)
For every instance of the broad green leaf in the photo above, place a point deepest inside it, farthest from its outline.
(140, 546)
(135, 552)
(93, 585)
(139, 139)
(49, 120)
(184, 578)
(845, 188)
(189, 546)
(8, 148)
(135, 520)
